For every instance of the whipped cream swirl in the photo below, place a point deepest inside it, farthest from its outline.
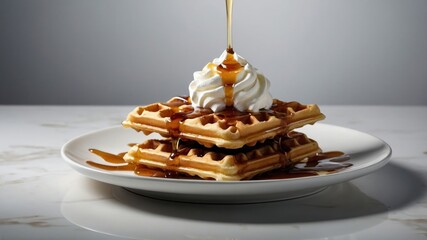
(250, 91)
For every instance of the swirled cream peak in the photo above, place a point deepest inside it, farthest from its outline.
(230, 81)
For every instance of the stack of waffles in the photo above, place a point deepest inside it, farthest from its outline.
(223, 146)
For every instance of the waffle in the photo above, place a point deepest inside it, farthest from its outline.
(224, 164)
(228, 129)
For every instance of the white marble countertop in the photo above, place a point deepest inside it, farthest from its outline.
(41, 197)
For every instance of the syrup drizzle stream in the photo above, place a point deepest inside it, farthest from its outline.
(229, 68)
(228, 71)
(229, 12)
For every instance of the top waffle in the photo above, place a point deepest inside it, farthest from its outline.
(228, 129)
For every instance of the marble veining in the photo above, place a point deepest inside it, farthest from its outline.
(418, 224)
(55, 125)
(41, 197)
(20, 180)
(89, 118)
(18, 153)
(33, 221)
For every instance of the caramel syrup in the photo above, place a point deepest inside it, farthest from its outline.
(228, 71)
(321, 163)
(111, 158)
(229, 68)
(122, 165)
(181, 110)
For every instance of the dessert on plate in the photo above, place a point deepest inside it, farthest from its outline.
(228, 128)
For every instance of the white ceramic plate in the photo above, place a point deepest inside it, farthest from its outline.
(367, 153)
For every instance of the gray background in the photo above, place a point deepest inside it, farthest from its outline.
(142, 51)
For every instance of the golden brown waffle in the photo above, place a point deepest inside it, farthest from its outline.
(228, 129)
(224, 164)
